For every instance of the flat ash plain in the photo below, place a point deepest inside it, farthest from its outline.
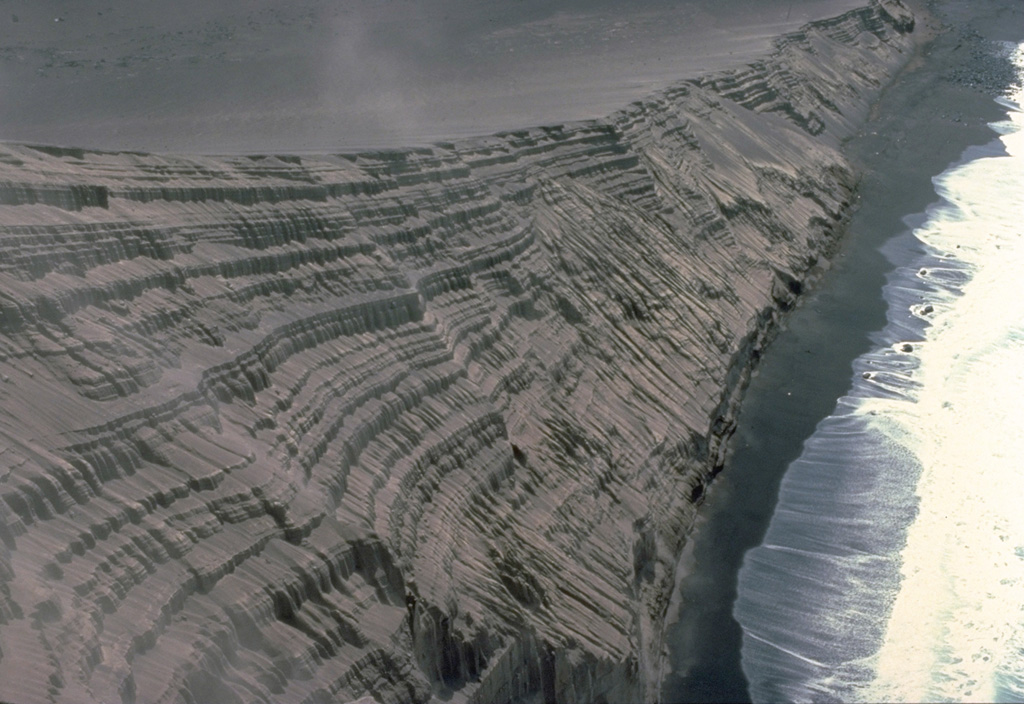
(320, 76)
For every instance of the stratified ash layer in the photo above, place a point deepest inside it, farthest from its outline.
(398, 424)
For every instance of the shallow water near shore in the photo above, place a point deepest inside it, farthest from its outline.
(893, 564)
(808, 367)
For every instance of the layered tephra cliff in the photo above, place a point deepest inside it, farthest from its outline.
(402, 424)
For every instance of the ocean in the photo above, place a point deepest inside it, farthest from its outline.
(893, 565)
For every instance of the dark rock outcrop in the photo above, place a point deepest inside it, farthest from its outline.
(405, 423)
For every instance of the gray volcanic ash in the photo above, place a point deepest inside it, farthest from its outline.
(402, 423)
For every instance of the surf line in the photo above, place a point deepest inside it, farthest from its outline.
(901, 573)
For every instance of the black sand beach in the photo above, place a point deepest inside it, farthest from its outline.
(937, 108)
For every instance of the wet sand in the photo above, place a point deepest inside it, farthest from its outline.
(935, 110)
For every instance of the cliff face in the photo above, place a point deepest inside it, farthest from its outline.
(398, 424)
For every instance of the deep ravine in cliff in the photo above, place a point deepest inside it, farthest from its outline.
(400, 424)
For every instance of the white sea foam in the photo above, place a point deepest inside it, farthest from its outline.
(893, 569)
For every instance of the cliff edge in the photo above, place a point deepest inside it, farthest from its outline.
(402, 424)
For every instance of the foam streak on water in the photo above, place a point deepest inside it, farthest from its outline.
(893, 568)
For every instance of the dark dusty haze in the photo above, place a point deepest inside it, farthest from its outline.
(331, 75)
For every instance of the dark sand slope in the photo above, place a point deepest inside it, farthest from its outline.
(403, 423)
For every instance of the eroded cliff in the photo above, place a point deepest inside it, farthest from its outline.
(402, 424)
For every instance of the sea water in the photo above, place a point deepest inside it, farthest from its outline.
(893, 566)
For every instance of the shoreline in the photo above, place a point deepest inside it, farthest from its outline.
(923, 122)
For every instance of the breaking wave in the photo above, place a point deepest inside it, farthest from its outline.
(893, 567)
